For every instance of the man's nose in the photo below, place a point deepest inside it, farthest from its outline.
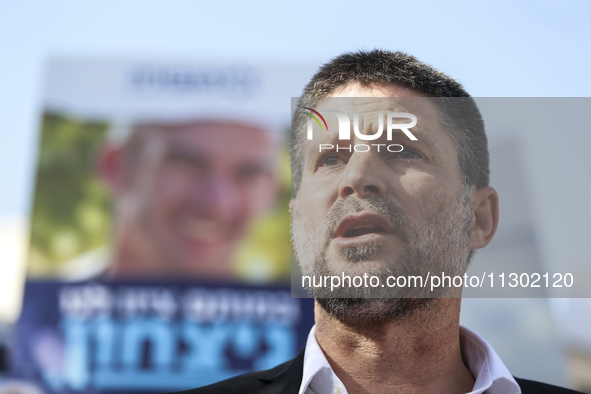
(218, 197)
(363, 176)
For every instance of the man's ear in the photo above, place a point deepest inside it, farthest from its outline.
(111, 168)
(485, 216)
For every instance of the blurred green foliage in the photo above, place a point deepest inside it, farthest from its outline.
(265, 254)
(69, 215)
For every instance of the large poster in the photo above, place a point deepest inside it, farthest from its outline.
(160, 250)
(113, 131)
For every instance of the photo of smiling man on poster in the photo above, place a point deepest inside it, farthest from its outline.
(159, 254)
(185, 194)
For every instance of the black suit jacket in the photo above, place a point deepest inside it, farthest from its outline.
(287, 378)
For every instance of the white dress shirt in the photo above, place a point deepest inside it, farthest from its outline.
(489, 372)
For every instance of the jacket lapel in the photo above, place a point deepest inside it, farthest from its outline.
(284, 379)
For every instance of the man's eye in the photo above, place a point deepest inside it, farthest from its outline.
(408, 154)
(331, 161)
(251, 173)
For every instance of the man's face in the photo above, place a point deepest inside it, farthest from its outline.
(192, 192)
(382, 213)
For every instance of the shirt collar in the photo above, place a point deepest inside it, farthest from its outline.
(318, 375)
(484, 363)
(486, 366)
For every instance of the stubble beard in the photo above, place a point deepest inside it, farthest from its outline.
(439, 241)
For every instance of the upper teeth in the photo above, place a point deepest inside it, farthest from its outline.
(363, 225)
(206, 230)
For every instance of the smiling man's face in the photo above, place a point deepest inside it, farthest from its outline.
(192, 193)
(381, 213)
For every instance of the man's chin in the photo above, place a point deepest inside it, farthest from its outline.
(377, 309)
(372, 267)
(357, 290)
(357, 252)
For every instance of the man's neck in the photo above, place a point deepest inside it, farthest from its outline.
(419, 353)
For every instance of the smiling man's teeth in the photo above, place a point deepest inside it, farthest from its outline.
(202, 230)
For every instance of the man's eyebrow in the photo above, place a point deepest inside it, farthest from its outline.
(182, 152)
(256, 166)
(417, 131)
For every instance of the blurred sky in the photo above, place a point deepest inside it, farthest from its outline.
(495, 48)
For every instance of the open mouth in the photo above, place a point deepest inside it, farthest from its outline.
(365, 223)
(362, 229)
